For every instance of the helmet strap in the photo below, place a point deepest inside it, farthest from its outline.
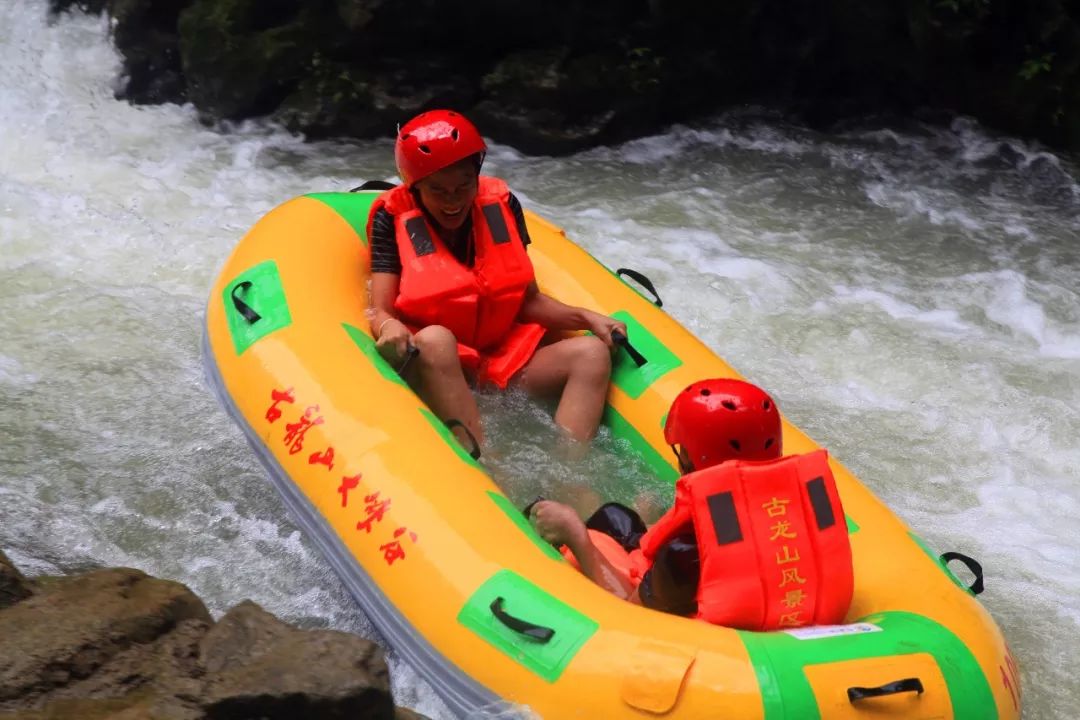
(685, 467)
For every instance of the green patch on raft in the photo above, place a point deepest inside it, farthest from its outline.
(779, 660)
(352, 207)
(446, 434)
(258, 293)
(626, 374)
(367, 346)
(521, 600)
(524, 525)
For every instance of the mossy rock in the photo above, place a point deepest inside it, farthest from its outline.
(242, 57)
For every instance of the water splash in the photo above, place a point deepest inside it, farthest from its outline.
(906, 292)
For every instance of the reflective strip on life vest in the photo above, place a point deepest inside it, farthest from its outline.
(499, 232)
(417, 230)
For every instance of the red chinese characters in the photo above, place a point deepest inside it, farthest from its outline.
(294, 432)
(278, 396)
(347, 484)
(393, 551)
(375, 509)
(1010, 678)
(324, 458)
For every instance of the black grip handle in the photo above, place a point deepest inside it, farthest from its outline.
(242, 307)
(972, 564)
(475, 452)
(411, 351)
(643, 281)
(524, 627)
(622, 341)
(900, 686)
(527, 510)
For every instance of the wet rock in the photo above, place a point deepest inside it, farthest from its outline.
(147, 36)
(62, 639)
(558, 76)
(257, 666)
(13, 586)
(119, 644)
(241, 58)
(554, 101)
(357, 14)
(339, 99)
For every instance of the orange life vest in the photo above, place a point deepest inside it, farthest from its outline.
(772, 538)
(479, 305)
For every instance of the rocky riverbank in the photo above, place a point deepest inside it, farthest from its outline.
(556, 77)
(117, 644)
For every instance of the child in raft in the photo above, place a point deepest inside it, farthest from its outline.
(754, 540)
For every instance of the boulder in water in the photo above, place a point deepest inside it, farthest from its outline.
(117, 643)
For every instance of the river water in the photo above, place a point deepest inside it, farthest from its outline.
(908, 293)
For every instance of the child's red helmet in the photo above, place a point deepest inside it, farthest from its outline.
(724, 419)
(433, 140)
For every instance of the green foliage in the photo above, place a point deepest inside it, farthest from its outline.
(645, 69)
(1032, 67)
(977, 8)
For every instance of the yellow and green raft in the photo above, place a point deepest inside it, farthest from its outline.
(463, 588)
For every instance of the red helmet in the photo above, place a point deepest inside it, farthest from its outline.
(724, 419)
(433, 140)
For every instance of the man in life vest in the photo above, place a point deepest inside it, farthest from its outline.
(451, 277)
(754, 540)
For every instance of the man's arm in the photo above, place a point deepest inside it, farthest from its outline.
(555, 315)
(558, 523)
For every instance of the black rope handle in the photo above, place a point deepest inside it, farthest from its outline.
(972, 564)
(374, 185)
(527, 510)
(475, 452)
(524, 627)
(643, 281)
(411, 351)
(622, 341)
(900, 686)
(242, 307)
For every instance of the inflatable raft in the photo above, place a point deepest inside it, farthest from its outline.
(464, 589)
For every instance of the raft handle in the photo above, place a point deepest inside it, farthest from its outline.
(906, 685)
(475, 452)
(411, 351)
(524, 627)
(622, 341)
(527, 510)
(242, 307)
(643, 281)
(374, 185)
(972, 564)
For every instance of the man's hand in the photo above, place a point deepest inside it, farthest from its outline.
(559, 524)
(394, 340)
(603, 326)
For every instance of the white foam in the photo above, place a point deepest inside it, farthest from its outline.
(909, 295)
(940, 318)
